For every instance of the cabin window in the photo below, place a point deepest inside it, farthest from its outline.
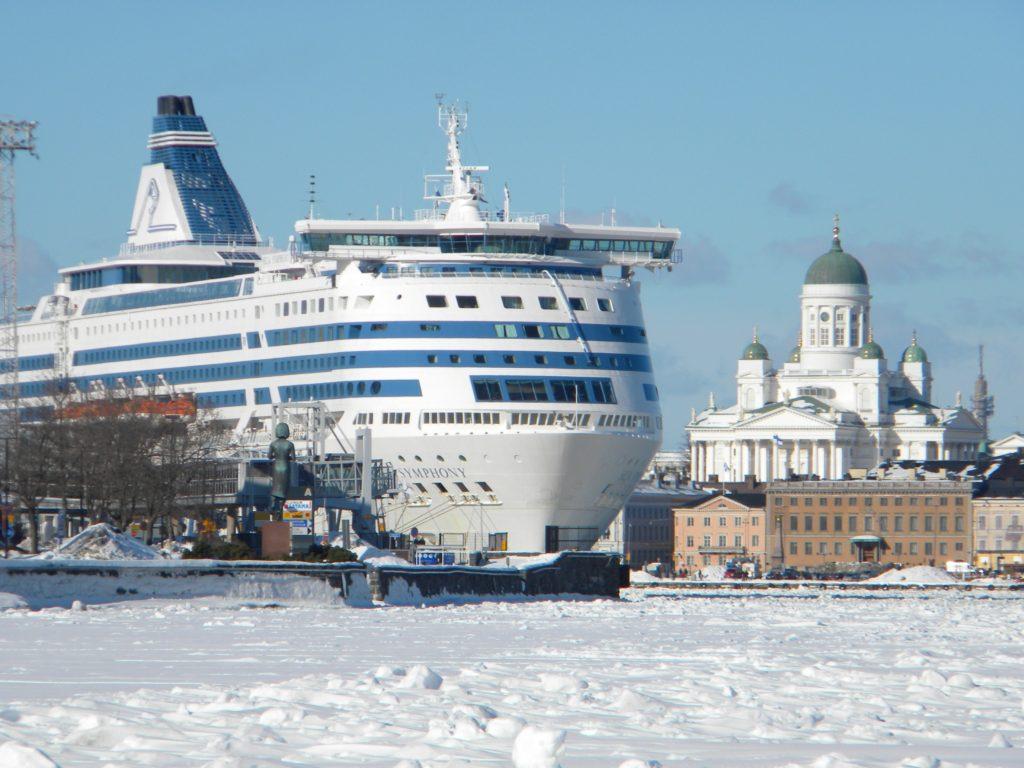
(437, 301)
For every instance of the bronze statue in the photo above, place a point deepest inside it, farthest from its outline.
(282, 453)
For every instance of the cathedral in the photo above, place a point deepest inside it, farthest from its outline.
(834, 409)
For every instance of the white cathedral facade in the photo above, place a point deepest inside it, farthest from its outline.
(834, 407)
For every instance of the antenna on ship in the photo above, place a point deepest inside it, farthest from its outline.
(312, 194)
(507, 208)
(561, 201)
(460, 188)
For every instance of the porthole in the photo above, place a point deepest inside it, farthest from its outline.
(440, 458)
(417, 458)
(461, 457)
(401, 458)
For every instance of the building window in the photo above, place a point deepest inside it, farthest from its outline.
(837, 523)
(755, 540)
(822, 547)
(960, 523)
(838, 549)
(822, 501)
(707, 540)
(793, 523)
(929, 523)
(883, 523)
(808, 548)
(707, 521)
(792, 547)
(851, 524)
(808, 501)
(852, 501)
(981, 522)
(869, 523)
(808, 523)
(943, 548)
(913, 523)
(897, 548)
(721, 540)
(913, 547)
(943, 523)
(737, 521)
(689, 541)
(689, 522)
(897, 523)
(928, 548)
(823, 523)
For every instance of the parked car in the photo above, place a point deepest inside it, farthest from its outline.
(784, 574)
(735, 573)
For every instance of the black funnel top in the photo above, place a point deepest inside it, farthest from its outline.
(175, 105)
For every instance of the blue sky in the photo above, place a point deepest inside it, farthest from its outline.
(745, 124)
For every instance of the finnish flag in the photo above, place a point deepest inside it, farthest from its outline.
(777, 440)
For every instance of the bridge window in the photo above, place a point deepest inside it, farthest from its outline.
(547, 302)
(467, 302)
(577, 304)
(505, 330)
(437, 301)
(512, 302)
(605, 305)
(533, 331)
(487, 389)
(526, 390)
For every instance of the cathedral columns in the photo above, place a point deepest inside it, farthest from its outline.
(832, 461)
(796, 457)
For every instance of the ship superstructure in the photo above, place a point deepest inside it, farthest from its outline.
(501, 372)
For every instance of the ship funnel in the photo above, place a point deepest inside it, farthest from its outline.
(175, 105)
(184, 193)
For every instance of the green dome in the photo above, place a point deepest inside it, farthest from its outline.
(915, 352)
(872, 351)
(794, 356)
(836, 266)
(755, 350)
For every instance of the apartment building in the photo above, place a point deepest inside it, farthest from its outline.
(726, 526)
(909, 521)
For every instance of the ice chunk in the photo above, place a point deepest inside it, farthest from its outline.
(537, 748)
(15, 755)
(421, 676)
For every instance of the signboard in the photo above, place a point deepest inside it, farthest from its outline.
(299, 514)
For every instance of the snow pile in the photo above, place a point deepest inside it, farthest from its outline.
(371, 555)
(15, 755)
(918, 574)
(9, 602)
(641, 577)
(537, 748)
(101, 542)
(713, 573)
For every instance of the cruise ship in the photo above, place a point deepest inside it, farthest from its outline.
(499, 359)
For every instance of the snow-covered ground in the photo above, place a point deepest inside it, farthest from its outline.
(798, 678)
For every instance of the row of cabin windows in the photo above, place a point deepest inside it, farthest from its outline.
(543, 390)
(897, 548)
(998, 522)
(461, 417)
(549, 419)
(439, 301)
(395, 417)
(462, 487)
(883, 523)
(308, 306)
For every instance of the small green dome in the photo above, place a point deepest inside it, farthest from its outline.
(915, 352)
(794, 356)
(872, 351)
(755, 350)
(836, 266)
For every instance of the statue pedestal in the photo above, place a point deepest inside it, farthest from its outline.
(276, 539)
